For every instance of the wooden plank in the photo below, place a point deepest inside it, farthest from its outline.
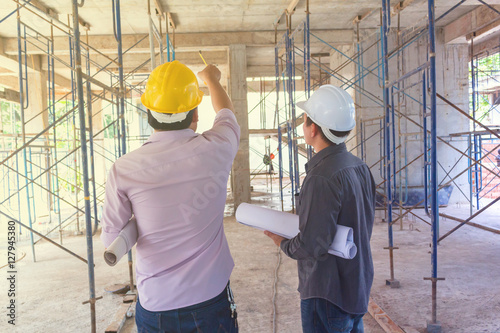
(129, 298)
(477, 132)
(383, 318)
(263, 132)
(9, 95)
(119, 318)
(474, 21)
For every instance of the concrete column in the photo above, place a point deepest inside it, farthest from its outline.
(37, 95)
(238, 91)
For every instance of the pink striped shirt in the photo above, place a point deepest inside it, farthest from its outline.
(175, 185)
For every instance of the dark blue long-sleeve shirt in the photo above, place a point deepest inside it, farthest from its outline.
(338, 189)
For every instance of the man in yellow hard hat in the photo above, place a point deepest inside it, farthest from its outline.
(175, 185)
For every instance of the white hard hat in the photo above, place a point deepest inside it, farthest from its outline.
(332, 108)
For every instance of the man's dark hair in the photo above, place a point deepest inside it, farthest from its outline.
(338, 134)
(173, 126)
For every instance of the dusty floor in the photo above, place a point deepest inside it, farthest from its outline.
(51, 291)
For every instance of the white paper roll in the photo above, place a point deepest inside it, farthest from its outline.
(125, 240)
(287, 225)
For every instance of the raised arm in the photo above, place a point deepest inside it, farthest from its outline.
(220, 100)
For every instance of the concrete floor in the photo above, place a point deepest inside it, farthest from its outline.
(51, 291)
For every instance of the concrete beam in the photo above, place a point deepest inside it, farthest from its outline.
(487, 46)
(50, 12)
(213, 41)
(134, 60)
(9, 95)
(11, 82)
(9, 61)
(479, 21)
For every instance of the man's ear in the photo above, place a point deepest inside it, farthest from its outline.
(314, 130)
(195, 116)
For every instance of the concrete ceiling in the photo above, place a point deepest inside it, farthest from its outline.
(204, 25)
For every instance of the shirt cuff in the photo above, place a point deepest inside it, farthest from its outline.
(284, 246)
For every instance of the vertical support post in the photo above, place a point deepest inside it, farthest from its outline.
(52, 98)
(291, 111)
(277, 117)
(75, 159)
(294, 121)
(392, 282)
(91, 143)
(121, 106)
(151, 38)
(433, 326)
(307, 68)
(22, 107)
(240, 174)
(426, 145)
(83, 139)
(434, 171)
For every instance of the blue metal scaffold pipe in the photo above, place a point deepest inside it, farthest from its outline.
(22, 93)
(91, 144)
(433, 325)
(387, 136)
(277, 118)
(83, 139)
(118, 30)
(307, 68)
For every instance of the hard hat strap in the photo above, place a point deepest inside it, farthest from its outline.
(169, 118)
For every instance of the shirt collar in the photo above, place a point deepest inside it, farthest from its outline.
(170, 135)
(324, 153)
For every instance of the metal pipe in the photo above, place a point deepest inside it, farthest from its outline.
(425, 137)
(23, 129)
(151, 38)
(91, 145)
(15, 10)
(116, 6)
(434, 171)
(52, 98)
(81, 109)
(469, 219)
(384, 39)
(393, 125)
(294, 124)
(277, 119)
(42, 236)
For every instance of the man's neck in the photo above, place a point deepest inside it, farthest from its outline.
(320, 145)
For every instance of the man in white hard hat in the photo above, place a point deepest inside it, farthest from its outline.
(338, 190)
(175, 185)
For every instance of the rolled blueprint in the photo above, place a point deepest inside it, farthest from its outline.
(125, 240)
(287, 225)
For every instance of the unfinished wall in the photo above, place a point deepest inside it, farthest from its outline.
(451, 82)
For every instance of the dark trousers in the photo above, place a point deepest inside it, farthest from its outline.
(210, 316)
(320, 316)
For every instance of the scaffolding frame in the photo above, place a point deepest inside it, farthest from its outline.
(394, 158)
(80, 148)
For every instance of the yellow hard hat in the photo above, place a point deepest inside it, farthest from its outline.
(172, 88)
